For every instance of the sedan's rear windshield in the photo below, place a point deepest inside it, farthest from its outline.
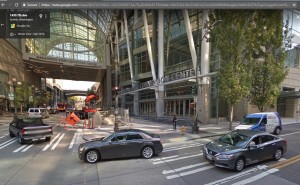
(31, 121)
(235, 139)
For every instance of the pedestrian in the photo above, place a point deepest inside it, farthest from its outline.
(174, 122)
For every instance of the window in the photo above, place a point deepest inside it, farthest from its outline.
(266, 138)
(119, 138)
(134, 136)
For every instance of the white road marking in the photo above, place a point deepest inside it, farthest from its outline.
(73, 140)
(233, 177)
(190, 172)
(192, 144)
(290, 134)
(8, 143)
(256, 177)
(282, 159)
(27, 148)
(3, 136)
(54, 146)
(163, 158)
(180, 148)
(20, 148)
(47, 146)
(184, 168)
(176, 159)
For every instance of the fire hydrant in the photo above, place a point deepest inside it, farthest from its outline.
(183, 129)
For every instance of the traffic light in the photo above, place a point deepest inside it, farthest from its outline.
(194, 90)
(116, 90)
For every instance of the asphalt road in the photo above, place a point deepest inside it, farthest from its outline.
(57, 163)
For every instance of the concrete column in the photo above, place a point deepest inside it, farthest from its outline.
(160, 91)
(149, 45)
(204, 98)
(128, 45)
(107, 83)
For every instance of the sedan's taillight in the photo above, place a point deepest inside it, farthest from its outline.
(23, 131)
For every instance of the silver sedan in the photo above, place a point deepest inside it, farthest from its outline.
(121, 144)
(239, 148)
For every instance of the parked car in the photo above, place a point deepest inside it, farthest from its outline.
(239, 148)
(264, 121)
(53, 111)
(38, 113)
(28, 129)
(121, 144)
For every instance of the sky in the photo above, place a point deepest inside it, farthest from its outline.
(76, 85)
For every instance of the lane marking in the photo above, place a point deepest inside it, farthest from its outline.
(280, 163)
(27, 148)
(47, 146)
(8, 144)
(20, 148)
(176, 159)
(73, 140)
(184, 168)
(180, 148)
(256, 177)
(54, 146)
(290, 133)
(7, 141)
(288, 163)
(233, 177)
(190, 172)
(3, 136)
(192, 144)
(163, 158)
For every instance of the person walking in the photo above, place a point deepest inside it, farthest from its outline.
(174, 122)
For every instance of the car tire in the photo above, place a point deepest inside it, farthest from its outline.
(239, 164)
(48, 138)
(277, 154)
(147, 152)
(11, 134)
(21, 140)
(277, 131)
(92, 156)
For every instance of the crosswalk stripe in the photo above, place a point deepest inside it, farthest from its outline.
(48, 145)
(7, 141)
(73, 141)
(54, 146)
(3, 136)
(190, 172)
(27, 148)
(176, 159)
(193, 144)
(256, 177)
(180, 148)
(2, 146)
(184, 168)
(163, 158)
(20, 148)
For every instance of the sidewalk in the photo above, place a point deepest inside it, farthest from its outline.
(167, 134)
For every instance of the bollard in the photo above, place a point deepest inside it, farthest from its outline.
(183, 129)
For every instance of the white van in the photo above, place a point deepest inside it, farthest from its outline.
(38, 112)
(264, 121)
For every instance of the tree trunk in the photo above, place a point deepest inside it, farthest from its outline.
(230, 117)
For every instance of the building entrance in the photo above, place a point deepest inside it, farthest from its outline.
(180, 108)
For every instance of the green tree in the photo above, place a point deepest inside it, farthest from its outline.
(268, 62)
(22, 96)
(234, 75)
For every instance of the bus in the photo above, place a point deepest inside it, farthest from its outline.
(61, 106)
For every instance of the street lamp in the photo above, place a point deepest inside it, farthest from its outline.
(13, 82)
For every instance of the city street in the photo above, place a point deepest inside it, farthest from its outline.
(181, 163)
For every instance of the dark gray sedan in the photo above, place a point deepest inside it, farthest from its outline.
(239, 148)
(124, 143)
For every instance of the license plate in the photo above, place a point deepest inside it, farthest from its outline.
(209, 157)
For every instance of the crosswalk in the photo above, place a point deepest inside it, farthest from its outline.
(7, 143)
(187, 167)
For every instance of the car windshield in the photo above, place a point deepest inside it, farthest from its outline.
(234, 139)
(250, 121)
(109, 137)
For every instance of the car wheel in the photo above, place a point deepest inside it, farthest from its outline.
(277, 154)
(239, 164)
(21, 140)
(92, 156)
(11, 134)
(48, 139)
(147, 152)
(277, 131)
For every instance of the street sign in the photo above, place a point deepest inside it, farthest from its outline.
(72, 119)
(11, 96)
